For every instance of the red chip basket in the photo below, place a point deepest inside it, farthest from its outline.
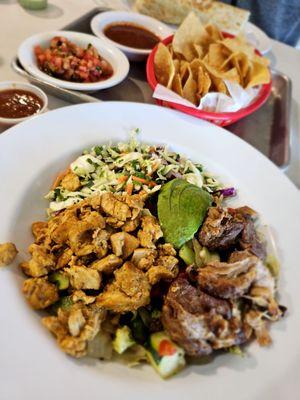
(221, 119)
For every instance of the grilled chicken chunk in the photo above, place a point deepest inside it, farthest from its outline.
(70, 182)
(75, 327)
(8, 253)
(40, 293)
(129, 290)
(150, 232)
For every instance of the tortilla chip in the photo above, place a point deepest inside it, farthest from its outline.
(176, 65)
(164, 66)
(171, 50)
(190, 32)
(184, 71)
(258, 75)
(194, 65)
(218, 84)
(189, 89)
(213, 32)
(200, 81)
(261, 60)
(177, 85)
(244, 64)
(232, 75)
(235, 45)
(199, 50)
(206, 83)
(216, 55)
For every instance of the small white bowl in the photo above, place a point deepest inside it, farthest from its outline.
(100, 22)
(8, 85)
(110, 53)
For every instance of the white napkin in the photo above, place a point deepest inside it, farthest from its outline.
(213, 101)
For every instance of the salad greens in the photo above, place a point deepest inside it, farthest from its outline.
(181, 207)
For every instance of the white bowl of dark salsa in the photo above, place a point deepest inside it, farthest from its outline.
(135, 34)
(20, 101)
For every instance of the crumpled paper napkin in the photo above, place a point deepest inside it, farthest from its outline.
(214, 102)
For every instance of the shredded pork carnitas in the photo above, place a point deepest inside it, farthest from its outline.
(222, 304)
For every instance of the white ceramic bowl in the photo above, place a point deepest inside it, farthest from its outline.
(100, 21)
(8, 85)
(114, 56)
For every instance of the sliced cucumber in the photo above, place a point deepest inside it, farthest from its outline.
(64, 302)
(60, 279)
(164, 355)
(186, 253)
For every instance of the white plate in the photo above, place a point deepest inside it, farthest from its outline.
(258, 38)
(32, 367)
(114, 56)
(101, 20)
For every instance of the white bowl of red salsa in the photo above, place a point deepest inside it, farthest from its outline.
(73, 60)
(133, 33)
(20, 101)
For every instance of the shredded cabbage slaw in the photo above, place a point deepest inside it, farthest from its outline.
(129, 167)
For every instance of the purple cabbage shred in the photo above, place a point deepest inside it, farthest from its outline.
(227, 192)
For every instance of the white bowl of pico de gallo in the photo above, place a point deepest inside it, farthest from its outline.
(73, 60)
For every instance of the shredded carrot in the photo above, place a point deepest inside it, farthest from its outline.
(122, 178)
(154, 168)
(144, 181)
(59, 178)
(129, 188)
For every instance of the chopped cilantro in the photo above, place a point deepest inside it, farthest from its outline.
(140, 175)
(135, 165)
(98, 150)
(89, 184)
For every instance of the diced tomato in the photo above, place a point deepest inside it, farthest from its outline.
(41, 58)
(38, 50)
(83, 75)
(58, 62)
(166, 348)
(82, 68)
(48, 54)
(71, 62)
